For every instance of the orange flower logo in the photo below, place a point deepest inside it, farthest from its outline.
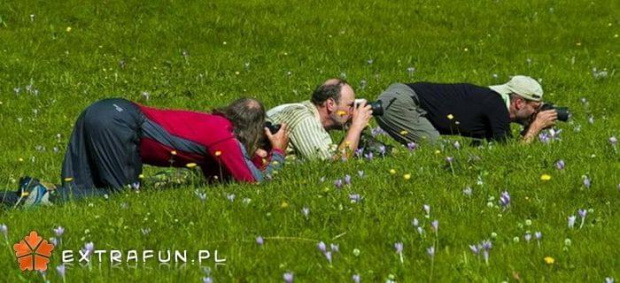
(33, 253)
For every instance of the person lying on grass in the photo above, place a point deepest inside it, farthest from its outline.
(112, 138)
(422, 111)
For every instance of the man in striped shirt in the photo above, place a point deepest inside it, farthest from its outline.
(331, 107)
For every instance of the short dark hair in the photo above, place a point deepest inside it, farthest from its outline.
(248, 118)
(326, 91)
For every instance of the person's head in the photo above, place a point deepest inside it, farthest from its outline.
(248, 118)
(525, 96)
(335, 100)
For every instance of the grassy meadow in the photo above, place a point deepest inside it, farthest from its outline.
(57, 57)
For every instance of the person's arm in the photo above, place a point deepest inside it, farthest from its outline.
(233, 158)
(544, 119)
(360, 119)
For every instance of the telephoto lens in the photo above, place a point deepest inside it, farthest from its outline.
(563, 113)
(376, 106)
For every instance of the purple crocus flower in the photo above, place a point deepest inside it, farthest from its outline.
(544, 137)
(487, 245)
(613, 141)
(356, 278)
(207, 279)
(415, 222)
(359, 152)
(201, 196)
(328, 256)
(321, 246)
(145, 231)
(355, 198)
(62, 270)
(457, 145)
(412, 146)
(527, 237)
(376, 131)
(347, 179)
(305, 211)
(560, 164)
(368, 155)
(398, 247)
(4, 230)
(587, 182)
(420, 230)
(475, 249)
(449, 159)
(88, 249)
(288, 277)
(609, 280)
(427, 209)
(571, 221)
(538, 235)
(231, 197)
(590, 119)
(582, 213)
(335, 247)
(435, 225)
(467, 191)
(360, 173)
(260, 241)
(431, 251)
(504, 199)
(59, 231)
(338, 183)
(53, 241)
(382, 150)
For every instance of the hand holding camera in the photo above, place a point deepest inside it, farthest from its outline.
(277, 135)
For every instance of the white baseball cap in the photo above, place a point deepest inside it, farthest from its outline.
(524, 86)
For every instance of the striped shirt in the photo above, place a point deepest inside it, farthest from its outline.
(307, 137)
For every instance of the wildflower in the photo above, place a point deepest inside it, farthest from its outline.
(412, 146)
(145, 231)
(410, 70)
(582, 213)
(415, 222)
(207, 279)
(305, 211)
(613, 141)
(347, 179)
(467, 191)
(260, 241)
(61, 269)
(368, 155)
(355, 198)
(88, 249)
(571, 221)
(338, 183)
(456, 145)
(335, 247)
(527, 237)
(398, 247)
(201, 196)
(609, 280)
(450, 116)
(190, 165)
(53, 241)
(586, 181)
(431, 251)
(544, 137)
(376, 131)
(403, 133)
(407, 176)
(392, 171)
(516, 239)
(435, 225)
(549, 260)
(59, 231)
(321, 246)
(449, 159)
(4, 230)
(504, 199)
(538, 235)
(359, 152)
(328, 255)
(360, 173)
(427, 209)
(356, 278)
(420, 230)
(231, 197)
(382, 150)
(68, 179)
(288, 277)
(475, 249)
(590, 119)
(560, 164)
(356, 252)
(545, 177)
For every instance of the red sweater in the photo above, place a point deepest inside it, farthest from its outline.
(178, 137)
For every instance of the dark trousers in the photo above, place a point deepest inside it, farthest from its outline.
(102, 156)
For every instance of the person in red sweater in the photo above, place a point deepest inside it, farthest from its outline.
(113, 138)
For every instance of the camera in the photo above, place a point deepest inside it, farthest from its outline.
(563, 113)
(273, 128)
(375, 106)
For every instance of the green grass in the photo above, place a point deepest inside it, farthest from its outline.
(278, 52)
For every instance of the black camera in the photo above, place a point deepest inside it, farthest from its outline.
(273, 128)
(563, 113)
(375, 106)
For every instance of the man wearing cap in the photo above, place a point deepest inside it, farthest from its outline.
(422, 111)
